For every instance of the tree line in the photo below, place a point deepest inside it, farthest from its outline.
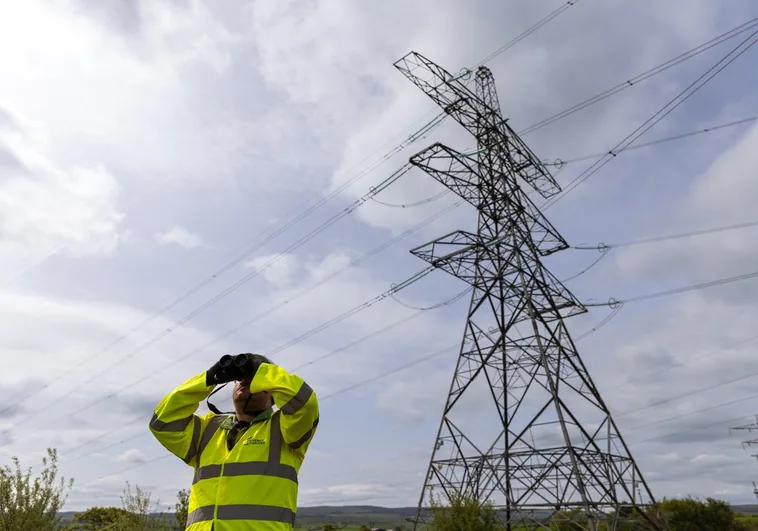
(35, 501)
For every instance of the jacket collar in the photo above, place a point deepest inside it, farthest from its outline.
(229, 421)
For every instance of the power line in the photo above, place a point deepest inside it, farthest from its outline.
(268, 311)
(561, 162)
(607, 319)
(603, 254)
(565, 7)
(692, 393)
(642, 441)
(702, 410)
(658, 116)
(674, 291)
(738, 30)
(447, 302)
(415, 203)
(392, 178)
(363, 306)
(602, 247)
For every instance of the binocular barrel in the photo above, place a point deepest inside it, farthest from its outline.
(239, 366)
(240, 360)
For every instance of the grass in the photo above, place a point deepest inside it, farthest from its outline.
(751, 520)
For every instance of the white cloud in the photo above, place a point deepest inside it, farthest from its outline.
(45, 207)
(133, 455)
(179, 236)
(278, 269)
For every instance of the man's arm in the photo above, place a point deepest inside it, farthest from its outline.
(174, 422)
(294, 398)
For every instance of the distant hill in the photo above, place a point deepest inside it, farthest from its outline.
(745, 509)
(335, 514)
(371, 514)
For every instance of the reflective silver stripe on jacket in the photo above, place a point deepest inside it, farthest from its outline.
(210, 430)
(173, 426)
(193, 448)
(242, 512)
(273, 467)
(302, 440)
(178, 426)
(297, 401)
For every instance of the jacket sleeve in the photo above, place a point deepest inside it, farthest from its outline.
(174, 422)
(295, 399)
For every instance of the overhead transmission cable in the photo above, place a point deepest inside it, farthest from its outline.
(604, 248)
(681, 136)
(531, 29)
(669, 237)
(692, 393)
(675, 291)
(669, 419)
(680, 98)
(641, 441)
(631, 82)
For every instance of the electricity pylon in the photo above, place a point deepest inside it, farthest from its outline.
(751, 442)
(550, 451)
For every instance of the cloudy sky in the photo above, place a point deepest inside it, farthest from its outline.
(165, 168)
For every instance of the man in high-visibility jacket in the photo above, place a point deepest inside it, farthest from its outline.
(247, 463)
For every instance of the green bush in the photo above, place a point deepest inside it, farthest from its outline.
(689, 514)
(28, 502)
(134, 514)
(97, 518)
(463, 512)
(182, 508)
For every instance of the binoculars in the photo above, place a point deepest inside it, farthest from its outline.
(239, 367)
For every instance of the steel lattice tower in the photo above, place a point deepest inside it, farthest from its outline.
(553, 452)
(751, 442)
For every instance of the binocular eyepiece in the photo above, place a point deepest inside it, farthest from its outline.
(238, 367)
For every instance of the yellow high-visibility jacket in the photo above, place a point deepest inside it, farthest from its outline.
(254, 486)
